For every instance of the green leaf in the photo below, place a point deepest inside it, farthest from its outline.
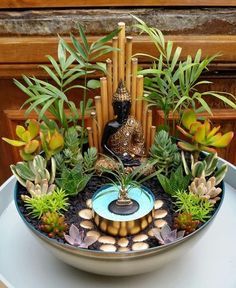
(79, 48)
(204, 104)
(45, 107)
(55, 65)
(93, 84)
(104, 39)
(61, 52)
(84, 39)
(51, 74)
(222, 98)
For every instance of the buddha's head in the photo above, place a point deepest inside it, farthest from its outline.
(121, 102)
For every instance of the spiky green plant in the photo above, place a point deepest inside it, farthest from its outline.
(175, 182)
(200, 208)
(55, 202)
(53, 224)
(164, 154)
(74, 180)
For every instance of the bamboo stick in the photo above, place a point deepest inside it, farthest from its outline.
(139, 102)
(144, 118)
(153, 132)
(109, 88)
(90, 136)
(95, 130)
(149, 125)
(121, 55)
(104, 99)
(134, 62)
(98, 105)
(115, 64)
(128, 56)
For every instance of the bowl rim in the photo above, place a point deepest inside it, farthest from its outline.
(118, 254)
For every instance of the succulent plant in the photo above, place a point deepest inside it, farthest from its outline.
(176, 181)
(55, 202)
(184, 221)
(53, 224)
(77, 238)
(165, 235)
(205, 188)
(52, 141)
(34, 171)
(199, 207)
(38, 190)
(73, 180)
(30, 146)
(164, 154)
(202, 136)
(206, 167)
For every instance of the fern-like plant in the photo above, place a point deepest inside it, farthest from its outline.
(200, 208)
(177, 181)
(164, 154)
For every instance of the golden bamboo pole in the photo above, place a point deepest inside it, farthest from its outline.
(149, 125)
(121, 55)
(109, 88)
(98, 105)
(128, 56)
(153, 132)
(139, 92)
(95, 130)
(144, 118)
(134, 62)
(115, 64)
(90, 136)
(104, 99)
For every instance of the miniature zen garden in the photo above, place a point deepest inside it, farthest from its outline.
(100, 176)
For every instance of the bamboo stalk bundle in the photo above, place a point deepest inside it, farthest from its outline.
(109, 88)
(134, 62)
(121, 55)
(139, 101)
(153, 132)
(149, 125)
(104, 100)
(128, 56)
(95, 130)
(115, 64)
(90, 136)
(98, 105)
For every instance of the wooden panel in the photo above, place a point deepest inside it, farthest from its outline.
(33, 49)
(103, 3)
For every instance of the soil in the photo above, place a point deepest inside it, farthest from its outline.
(78, 202)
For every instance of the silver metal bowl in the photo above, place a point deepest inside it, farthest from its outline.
(119, 263)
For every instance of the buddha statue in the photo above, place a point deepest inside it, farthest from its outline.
(123, 136)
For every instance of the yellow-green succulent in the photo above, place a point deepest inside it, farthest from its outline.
(203, 136)
(28, 144)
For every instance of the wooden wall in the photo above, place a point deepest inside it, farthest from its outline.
(21, 54)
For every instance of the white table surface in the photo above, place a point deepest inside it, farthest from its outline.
(211, 263)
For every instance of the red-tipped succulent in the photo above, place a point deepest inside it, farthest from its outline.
(203, 137)
(184, 221)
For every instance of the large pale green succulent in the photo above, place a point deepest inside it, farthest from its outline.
(206, 167)
(34, 171)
